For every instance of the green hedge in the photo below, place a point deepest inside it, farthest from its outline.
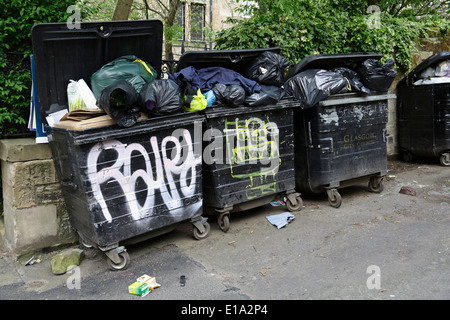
(16, 19)
(305, 27)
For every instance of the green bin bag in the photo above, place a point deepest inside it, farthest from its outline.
(129, 68)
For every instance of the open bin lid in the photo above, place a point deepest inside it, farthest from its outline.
(236, 60)
(430, 62)
(331, 61)
(62, 54)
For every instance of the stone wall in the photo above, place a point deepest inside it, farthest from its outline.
(35, 215)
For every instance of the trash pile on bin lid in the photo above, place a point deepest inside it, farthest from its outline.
(123, 88)
(433, 75)
(127, 86)
(260, 84)
(314, 85)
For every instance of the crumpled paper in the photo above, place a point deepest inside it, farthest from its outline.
(281, 220)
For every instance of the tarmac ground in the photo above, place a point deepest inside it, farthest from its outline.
(386, 246)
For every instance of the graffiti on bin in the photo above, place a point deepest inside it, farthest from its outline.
(253, 153)
(173, 177)
(335, 115)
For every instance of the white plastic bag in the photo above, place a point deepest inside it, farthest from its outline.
(429, 72)
(80, 96)
(443, 69)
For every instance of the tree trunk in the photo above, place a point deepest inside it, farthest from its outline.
(122, 10)
(169, 20)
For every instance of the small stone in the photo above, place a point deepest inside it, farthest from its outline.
(63, 260)
(408, 190)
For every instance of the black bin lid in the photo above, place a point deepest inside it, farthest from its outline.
(63, 54)
(430, 62)
(331, 61)
(236, 60)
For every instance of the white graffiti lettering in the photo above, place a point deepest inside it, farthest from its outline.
(172, 177)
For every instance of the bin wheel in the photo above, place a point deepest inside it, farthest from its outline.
(334, 198)
(445, 159)
(376, 184)
(223, 220)
(201, 235)
(122, 265)
(291, 207)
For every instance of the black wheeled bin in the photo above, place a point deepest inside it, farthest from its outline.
(121, 185)
(248, 151)
(340, 141)
(423, 113)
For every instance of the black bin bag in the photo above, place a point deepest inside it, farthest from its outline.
(314, 85)
(120, 101)
(375, 76)
(231, 95)
(268, 68)
(354, 80)
(267, 95)
(160, 97)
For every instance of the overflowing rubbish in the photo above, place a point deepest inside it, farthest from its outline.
(281, 220)
(339, 127)
(376, 76)
(107, 206)
(160, 97)
(422, 105)
(267, 95)
(232, 95)
(314, 85)
(191, 89)
(432, 80)
(80, 96)
(205, 78)
(196, 102)
(354, 80)
(443, 69)
(55, 117)
(120, 101)
(268, 69)
(210, 98)
(81, 115)
(435, 75)
(129, 68)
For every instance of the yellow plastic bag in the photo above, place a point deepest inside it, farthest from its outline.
(197, 103)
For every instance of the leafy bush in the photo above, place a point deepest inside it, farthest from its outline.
(16, 19)
(304, 27)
